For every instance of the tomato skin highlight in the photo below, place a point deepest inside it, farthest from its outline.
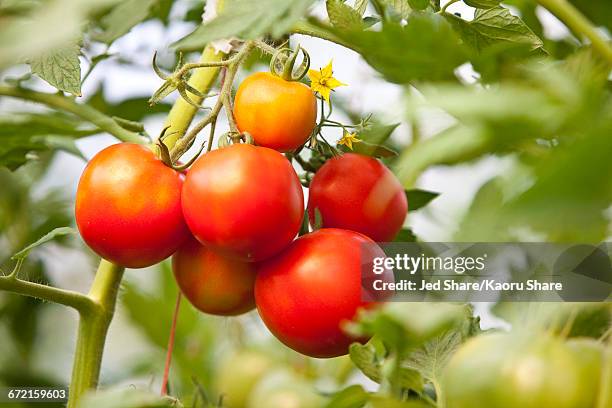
(244, 201)
(213, 283)
(306, 292)
(509, 371)
(358, 193)
(128, 206)
(278, 114)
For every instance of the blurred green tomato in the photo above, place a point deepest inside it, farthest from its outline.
(510, 371)
(238, 375)
(284, 389)
(590, 354)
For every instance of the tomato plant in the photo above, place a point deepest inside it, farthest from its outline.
(195, 152)
(358, 193)
(279, 114)
(213, 283)
(226, 208)
(128, 206)
(307, 292)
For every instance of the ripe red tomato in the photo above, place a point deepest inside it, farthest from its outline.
(278, 114)
(358, 193)
(244, 201)
(128, 206)
(213, 283)
(306, 292)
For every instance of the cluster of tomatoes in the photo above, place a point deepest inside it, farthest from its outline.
(231, 220)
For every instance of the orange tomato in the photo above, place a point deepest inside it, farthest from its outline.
(278, 114)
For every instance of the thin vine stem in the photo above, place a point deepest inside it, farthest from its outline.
(170, 348)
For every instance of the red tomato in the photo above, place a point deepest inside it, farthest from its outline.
(128, 206)
(244, 201)
(278, 114)
(358, 193)
(305, 293)
(213, 283)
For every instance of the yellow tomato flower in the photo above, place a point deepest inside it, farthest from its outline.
(322, 81)
(348, 139)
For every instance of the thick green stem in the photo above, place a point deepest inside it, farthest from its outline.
(578, 23)
(66, 104)
(93, 327)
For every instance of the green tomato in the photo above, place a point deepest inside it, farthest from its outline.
(239, 374)
(510, 371)
(284, 389)
(590, 354)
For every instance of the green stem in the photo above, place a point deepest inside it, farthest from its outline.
(93, 327)
(443, 9)
(66, 104)
(578, 23)
(69, 298)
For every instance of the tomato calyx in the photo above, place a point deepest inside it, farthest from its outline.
(163, 153)
(230, 138)
(283, 63)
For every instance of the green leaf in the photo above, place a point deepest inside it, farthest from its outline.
(353, 396)
(419, 198)
(127, 397)
(361, 6)
(57, 232)
(377, 133)
(343, 16)
(401, 8)
(122, 18)
(494, 26)
(418, 4)
(425, 49)
(369, 149)
(60, 68)
(247, 19)
(405, 235)
(431, 358)
(23, 134)
(482, 4)
(366, 359)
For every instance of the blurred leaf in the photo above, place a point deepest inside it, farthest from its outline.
(161, 10)
(405, 235)
(127, 398)
(431, 358)
(418, 4)
(247, 19)
(134, 109)
(57, 232)
(47, 27)
(419, 198)
(369, 149)
(122, 18)
(401, 8)
(482, 4)
(343, 16)
(361, 6)
(404, 325)
(377, 133)
(381, 401)
(353, 396)
(365, 358)
(425, 49)
(493, 26)
(21, 134)
(61, 68)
